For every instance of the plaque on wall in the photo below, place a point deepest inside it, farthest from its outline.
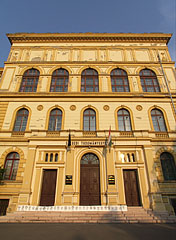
(68, 180)
(111, 179)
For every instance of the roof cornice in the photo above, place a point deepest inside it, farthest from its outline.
(88, 37)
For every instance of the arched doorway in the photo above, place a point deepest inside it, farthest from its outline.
(90, 180)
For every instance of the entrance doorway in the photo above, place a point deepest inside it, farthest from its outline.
(4, 203)
(90, 180)
(48, 187)
(131, 187)
(173, 202)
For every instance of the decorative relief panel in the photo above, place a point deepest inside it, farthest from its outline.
(89, 55)
(76, 55)
(62, 55)
(142, 55)
(115, 55)
(102, 54)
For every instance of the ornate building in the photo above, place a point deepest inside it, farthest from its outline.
(88, 119)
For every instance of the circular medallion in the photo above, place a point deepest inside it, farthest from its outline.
(73, 107)
(139, 107)
(106, 107)
(40, 107)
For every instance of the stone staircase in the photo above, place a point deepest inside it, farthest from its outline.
(132, 215)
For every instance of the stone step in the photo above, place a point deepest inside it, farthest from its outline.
(132, 215)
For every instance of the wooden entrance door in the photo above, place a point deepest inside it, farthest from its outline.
(90, 180)
(131, 188)
(48, 188)
(4, 203)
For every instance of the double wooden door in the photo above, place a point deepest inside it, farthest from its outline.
(48, 187)
(131, 187)
(90, 181)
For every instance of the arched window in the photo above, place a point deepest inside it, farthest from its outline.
(89, 80)
(89, 158)
(119, 81)
(30, 80)
(124, 121)
(21, 120)
(158, 121)
(55, 120)
(149, 81)
(89, 120)
(168, 166)
(11, 166)
(59, 81)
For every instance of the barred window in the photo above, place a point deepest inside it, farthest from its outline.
(30, 80)
(149, 81)
(89, 120)
(168, 166)
(11, 166)
(89, 80)
(124, 121)
(119, 81)
(55, 120)
(59, 81)
(21, 120)
(158, 121)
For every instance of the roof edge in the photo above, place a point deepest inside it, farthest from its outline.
(93, 37)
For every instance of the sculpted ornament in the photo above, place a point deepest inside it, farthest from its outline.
(106, 107)
(72, 107)
(40, 107)
(139, 107)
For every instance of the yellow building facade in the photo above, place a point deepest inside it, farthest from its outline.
(87, 120)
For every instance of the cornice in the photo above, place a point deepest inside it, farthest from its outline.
(88, 37)
(67, 95)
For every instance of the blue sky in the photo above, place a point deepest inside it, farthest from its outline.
(136, 16)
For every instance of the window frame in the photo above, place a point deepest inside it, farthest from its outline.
(168, 166)
(154, 83)
(115, 79)
(14, 159)
(64, 77)
(89, 115)
(123, 115)
(156, 116)
(27, 78)
(56, 116)
(20, 117)
(86, 77)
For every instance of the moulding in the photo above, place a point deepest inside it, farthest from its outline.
(88, 37)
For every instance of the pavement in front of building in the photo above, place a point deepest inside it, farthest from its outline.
(77, 231)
